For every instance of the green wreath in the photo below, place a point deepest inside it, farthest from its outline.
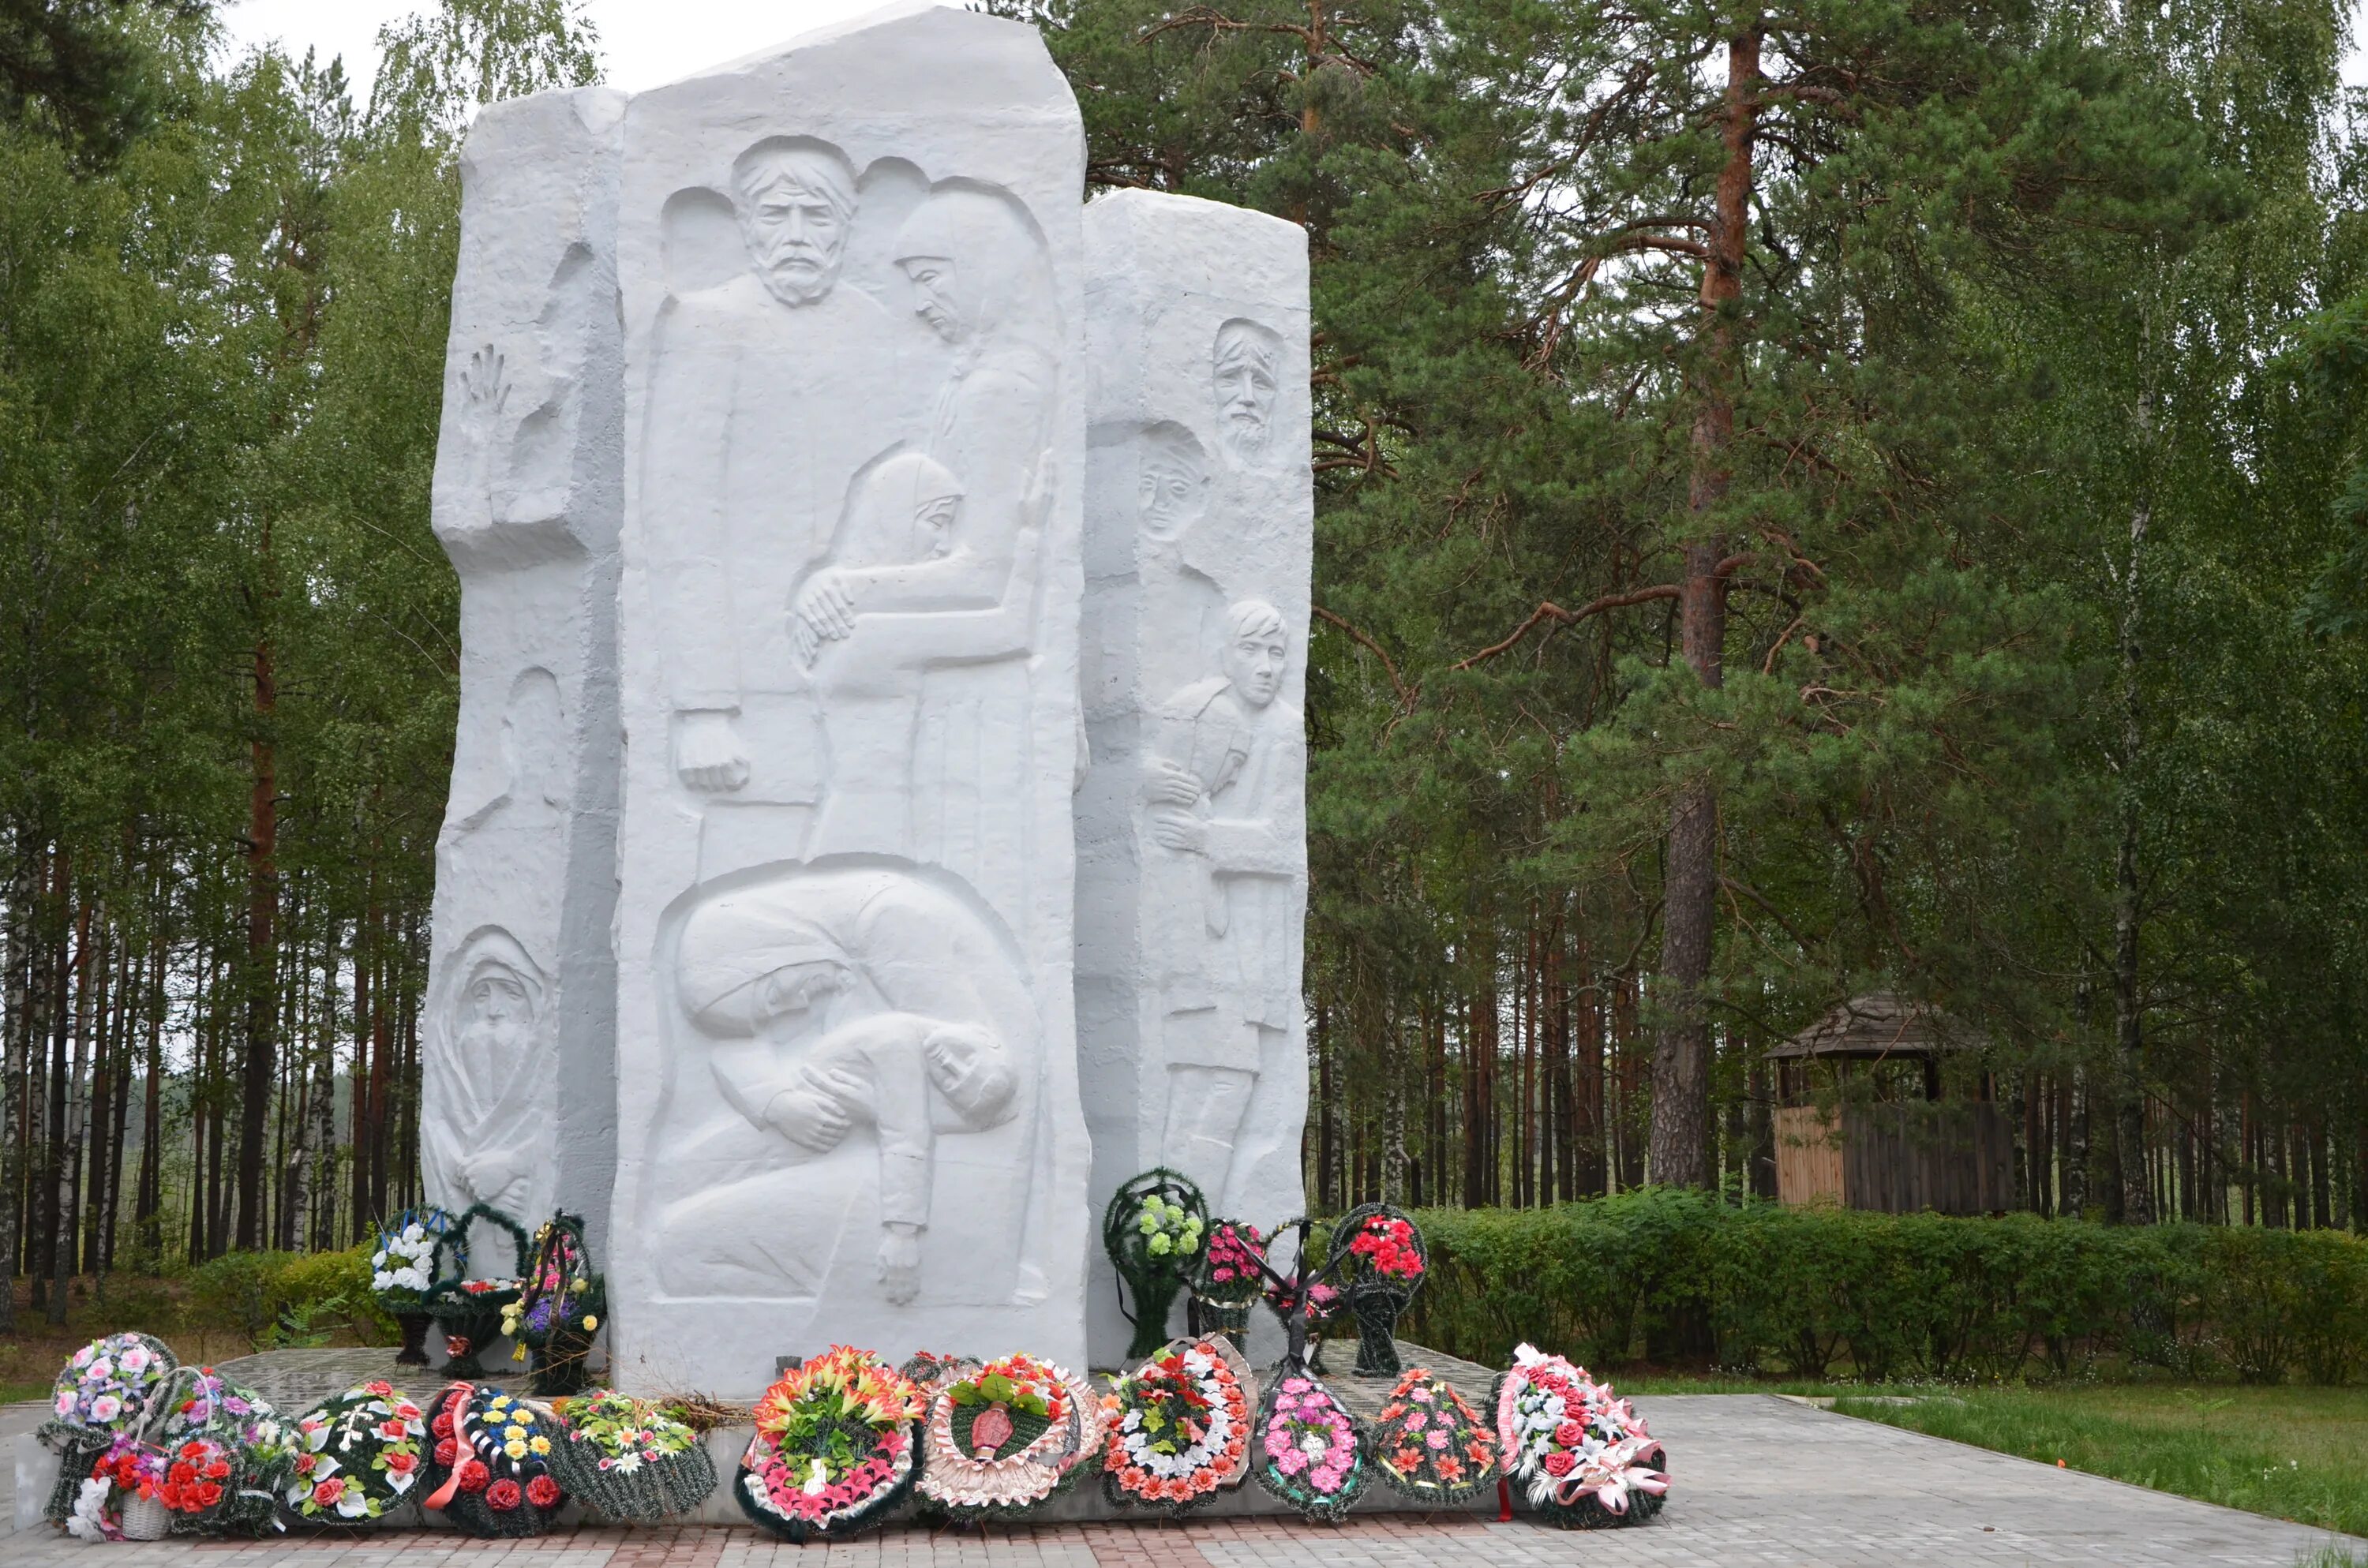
(470, 1310)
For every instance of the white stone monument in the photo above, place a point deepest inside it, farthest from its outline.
(1190, 827)
(518, 1059)
(851, 288)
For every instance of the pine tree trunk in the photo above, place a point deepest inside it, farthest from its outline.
(261, 912)
(145, 1217)
(71, 1115)
(2137, 1204)
(1680, 1155)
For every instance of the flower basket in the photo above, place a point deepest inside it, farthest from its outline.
(489, 1471)
(1310, 1449)
(102, 1395)
(837, 1448)
(1002, 1437)
(359, 1455)
(1153, 1231)
(1179, 1427)
(145, 1518)
(403, 1269)
(1430, 1444)
(559, 1311)
(625, 1461)
(1580, 1458)
(1379, 1258)
(470, 1310)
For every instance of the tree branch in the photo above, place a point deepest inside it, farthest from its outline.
(1549, 610)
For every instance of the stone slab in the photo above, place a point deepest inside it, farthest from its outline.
(518, 1071)
(850, 277)
(1191, 822)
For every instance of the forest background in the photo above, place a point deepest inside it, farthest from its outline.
(1819, 499)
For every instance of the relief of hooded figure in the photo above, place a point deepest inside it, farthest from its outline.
(488, 1077)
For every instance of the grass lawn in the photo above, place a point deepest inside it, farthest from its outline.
(2293, 1453)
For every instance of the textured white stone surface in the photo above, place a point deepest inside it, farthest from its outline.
(1190, 826)
(519, 1083)
(846, 1065)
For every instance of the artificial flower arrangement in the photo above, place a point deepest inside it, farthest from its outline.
(1311, 1450)
(1380, 1261)
(837, 1447)
(1579, 1457)
(489, 1471)
(102, 1395)
(471, 1309)
(627, 1460)
(1152, 1231)
(403, 1269)
(1230, 1279)
(559, 1309)
(1004, 1437)
(359, 1454)
(1179, 1426)
(242, 1429)
(107, 1384)
(1430, 1443)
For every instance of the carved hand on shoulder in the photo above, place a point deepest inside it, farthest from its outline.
(900, 1263)
(823, 610)
(1177, 831)
(1165, 784)
(706, 752)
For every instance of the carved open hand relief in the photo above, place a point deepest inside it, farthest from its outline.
(484, 389)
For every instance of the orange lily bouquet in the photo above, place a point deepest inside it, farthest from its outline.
(837, 1447)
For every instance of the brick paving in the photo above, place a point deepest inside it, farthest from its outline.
(1761, 1484)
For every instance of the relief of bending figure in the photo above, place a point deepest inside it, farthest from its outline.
(846, 998)
(1226, 814)
(982, 283)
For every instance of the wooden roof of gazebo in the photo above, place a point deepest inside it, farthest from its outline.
(1880, 1024)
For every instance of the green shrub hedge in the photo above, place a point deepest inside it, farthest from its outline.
(269, 1296)
(1821, 1293)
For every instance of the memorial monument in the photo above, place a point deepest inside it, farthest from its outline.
(853, 290)
(758, 924)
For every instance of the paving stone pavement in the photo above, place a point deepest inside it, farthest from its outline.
(1761, 1484)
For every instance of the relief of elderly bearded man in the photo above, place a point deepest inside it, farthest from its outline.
(876, 1032)
(771, 390)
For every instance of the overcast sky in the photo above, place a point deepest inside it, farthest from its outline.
(643, 42)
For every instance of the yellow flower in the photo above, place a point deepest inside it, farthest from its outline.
(515, 1449)
(540, 1444)
(591, 1323)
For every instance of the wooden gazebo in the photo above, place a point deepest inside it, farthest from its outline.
(1862, 1119)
